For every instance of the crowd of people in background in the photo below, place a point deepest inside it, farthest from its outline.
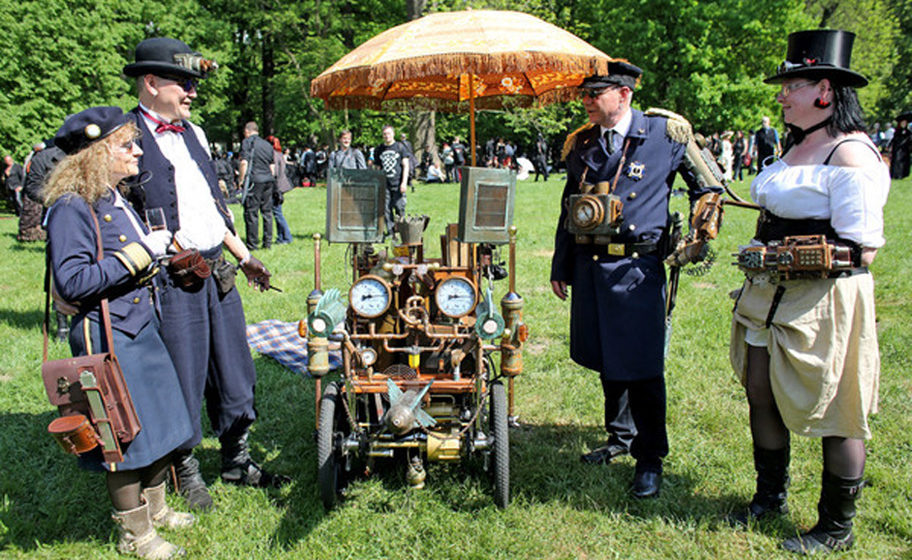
(738, 152)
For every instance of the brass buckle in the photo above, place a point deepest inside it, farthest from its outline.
(616, 249)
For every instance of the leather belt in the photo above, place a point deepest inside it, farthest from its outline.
(620, 249)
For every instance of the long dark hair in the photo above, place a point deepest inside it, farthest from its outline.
(847, 113)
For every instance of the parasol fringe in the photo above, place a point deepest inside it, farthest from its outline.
(450, 105)
(451, 64)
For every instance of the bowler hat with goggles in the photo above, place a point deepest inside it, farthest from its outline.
(87, 127)
(817, 54)
(168, 58)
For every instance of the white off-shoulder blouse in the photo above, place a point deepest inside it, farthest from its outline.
(852, 198)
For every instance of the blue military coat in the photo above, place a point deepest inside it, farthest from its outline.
(617, 317)
(81, 279)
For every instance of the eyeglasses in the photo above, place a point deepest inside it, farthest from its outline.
(127, 146)
(186, 84)
(592, 93)
(788, 89)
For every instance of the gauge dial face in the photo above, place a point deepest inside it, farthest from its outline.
(456, 296)
(369, 296)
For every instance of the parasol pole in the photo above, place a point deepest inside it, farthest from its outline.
(472, 115)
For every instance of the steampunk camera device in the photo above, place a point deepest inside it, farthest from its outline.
(425, 349)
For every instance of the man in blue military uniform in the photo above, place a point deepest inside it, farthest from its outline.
(203, 324)
(627, 160)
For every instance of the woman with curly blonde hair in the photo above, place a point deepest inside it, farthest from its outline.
(85, 204)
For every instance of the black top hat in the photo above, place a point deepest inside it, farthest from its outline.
(819, 54)
(168, 57)
(620, 73)
(89, 126)
(906, 116)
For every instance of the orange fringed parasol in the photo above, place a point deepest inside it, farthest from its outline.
(460, 61)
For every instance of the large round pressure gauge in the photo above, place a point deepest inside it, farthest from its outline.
(456, 296)
(370, 296)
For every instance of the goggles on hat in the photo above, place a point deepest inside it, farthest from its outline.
(195, 62)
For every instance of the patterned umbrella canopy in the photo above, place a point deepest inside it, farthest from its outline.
(449, 61)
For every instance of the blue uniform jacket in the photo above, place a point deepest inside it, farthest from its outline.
(81, 279)
(617, 318)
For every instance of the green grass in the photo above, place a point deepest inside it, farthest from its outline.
(561, 508)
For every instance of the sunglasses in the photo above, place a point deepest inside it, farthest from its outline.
(186, 84)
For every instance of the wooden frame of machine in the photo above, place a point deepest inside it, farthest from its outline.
(418, 336)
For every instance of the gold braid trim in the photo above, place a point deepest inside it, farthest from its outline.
(571, 140)
(135, 257)
(678, 128)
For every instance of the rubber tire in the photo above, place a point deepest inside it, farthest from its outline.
(327, 466)
(501, 431)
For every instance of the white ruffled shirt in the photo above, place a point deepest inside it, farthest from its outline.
(852, 198)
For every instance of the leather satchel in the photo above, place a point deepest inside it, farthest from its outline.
(91, 385)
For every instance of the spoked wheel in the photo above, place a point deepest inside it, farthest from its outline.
(501, 432)
(330, 474)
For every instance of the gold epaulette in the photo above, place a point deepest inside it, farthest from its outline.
(678, 128)
(571, 140)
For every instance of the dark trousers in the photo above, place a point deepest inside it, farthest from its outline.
(541, 167)
(618, 420)
(395, 204)
(206, 336)
(646, 401)
(259, 200)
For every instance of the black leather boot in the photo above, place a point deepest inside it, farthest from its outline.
(238, 468)
(190, 482)
(835, 511)
(771, 497)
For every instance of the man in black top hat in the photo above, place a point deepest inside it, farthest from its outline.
(617, 314)
(202, 325)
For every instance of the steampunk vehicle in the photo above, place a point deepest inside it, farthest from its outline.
(420, 337)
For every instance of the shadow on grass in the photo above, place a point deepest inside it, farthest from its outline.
(26, 320)
(47, 499)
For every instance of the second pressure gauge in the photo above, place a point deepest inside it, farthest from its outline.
(456, 296)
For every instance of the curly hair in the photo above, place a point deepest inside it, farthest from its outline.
(87, 172)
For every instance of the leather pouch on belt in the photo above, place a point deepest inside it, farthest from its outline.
(188, 268)
(224, 274)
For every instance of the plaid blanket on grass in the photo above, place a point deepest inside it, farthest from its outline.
(280, 341)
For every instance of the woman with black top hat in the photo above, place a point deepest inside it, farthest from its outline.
(806, 348)
(85, 204)
(901, 147)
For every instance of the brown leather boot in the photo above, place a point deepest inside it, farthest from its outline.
(161, 513)
(138, 536)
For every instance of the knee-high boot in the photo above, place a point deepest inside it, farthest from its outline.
(190, 482)
(836, 510)
(771, 497)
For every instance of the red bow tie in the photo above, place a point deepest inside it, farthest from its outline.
(163, 126)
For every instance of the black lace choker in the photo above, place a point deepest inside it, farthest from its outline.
(799, 134)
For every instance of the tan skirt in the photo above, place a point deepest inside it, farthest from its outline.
(824, 359)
